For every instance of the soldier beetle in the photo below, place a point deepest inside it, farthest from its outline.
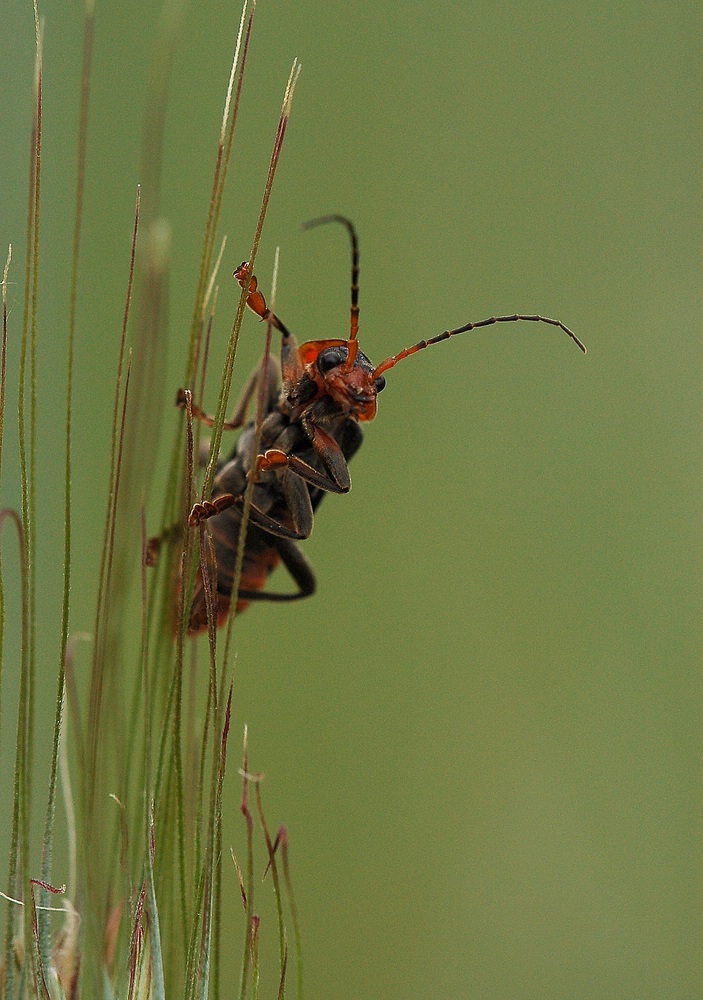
(310, 431)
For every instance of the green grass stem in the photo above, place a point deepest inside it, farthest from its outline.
(44, 928)
(3, 386)
(13, 864)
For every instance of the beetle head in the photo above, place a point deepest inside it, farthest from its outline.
(343, 373)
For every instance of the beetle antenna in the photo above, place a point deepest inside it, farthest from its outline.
(391, 362)
(354, 312)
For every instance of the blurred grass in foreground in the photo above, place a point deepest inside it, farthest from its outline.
(142, 913)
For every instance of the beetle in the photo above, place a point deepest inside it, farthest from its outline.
(310, 432)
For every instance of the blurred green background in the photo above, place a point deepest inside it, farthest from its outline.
(483, 732)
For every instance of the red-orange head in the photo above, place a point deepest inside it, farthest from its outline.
(344, 374)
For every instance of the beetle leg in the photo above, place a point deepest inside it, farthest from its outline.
(239, 416)
(291, 369)
(331, 454)
(275, 459)
(338, 481)
(211, 508)
(153, 545)
(299, 568)
(297, 500)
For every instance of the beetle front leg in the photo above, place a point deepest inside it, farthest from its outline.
(339, 480)
(274, 459)
(291, 369)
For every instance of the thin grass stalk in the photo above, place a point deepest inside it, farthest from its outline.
(158, 985)
(167, 732)
(109, 529)
(217, 915)
(229, 363)
(38, 967)
(116, 572)
(117, 407)
(202, 978)
(169, 766)
(111, 518)
(208, 571)
(207, 568)
(136, 942)
(114, 928)
(271, 848)
(168, 796)
(74, 715)
(202, 295)
(191, 964)
(47, 847)
(255, 928)
(145, 407)
(185, 552)
(191, 741)
(43, 926)
(201, 778)
(27, 449)
(157, 969)
(211, 225)
(94, 871)
(225, 157)
(187, 568)
(105, 686)
(197, 973)
(249, 895)
(17, 782)
(186, 562)
(211, 294)
(166, 878)
(175, 477)
(282, 982)
(177, 716)
(218, 186)
(3, 377)
(150, 352)
(66, 784)
(249, 491)
(283, 839)
(219, 765)
(32, 506)
(187, 565)
(236, 325)
(166, 738)
(217, 856)
(240, 879)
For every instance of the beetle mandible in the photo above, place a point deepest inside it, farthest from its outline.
(309, 433)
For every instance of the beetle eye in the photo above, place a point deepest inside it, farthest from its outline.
(331, 358)
(380, 383)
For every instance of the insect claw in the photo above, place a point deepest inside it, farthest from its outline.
(208, 508)
(198, 513)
